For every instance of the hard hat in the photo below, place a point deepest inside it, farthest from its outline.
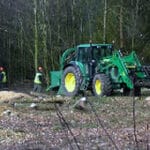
(40, 68)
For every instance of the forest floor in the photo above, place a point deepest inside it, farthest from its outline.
(45, 122)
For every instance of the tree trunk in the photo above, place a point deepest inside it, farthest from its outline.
(121, 26)
(134, 19)
(35, 36)
(104, 21)
(45, 52)
(73, 21)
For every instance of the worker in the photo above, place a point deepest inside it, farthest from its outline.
(3, 78)
(38, 80)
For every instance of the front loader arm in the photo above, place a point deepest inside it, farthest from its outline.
(123, 71)
(116, 61)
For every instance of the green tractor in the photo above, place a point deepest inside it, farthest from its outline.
(100, 69)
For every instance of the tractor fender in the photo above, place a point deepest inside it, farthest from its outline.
(76, 65)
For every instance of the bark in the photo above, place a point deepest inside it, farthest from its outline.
(73, 21)
(134, 19)
(121, 27)
(104, 21)
(35, 36)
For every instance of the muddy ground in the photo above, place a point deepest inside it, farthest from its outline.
(30, 121)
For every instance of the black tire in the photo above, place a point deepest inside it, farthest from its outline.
(101, 85)
(71, 81)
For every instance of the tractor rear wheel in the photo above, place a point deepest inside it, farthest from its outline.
(71, 81)
(101, 85)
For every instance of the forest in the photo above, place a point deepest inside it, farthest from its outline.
(37, 32)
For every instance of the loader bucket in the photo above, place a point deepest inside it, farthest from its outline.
(55, 78)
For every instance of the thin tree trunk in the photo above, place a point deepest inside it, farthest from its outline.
(89, 25)
(21, 49)
(9, 59)
(121, 26)
(104, 21)
(73, 21)
(134, 19)
(58, 22)
(89, 20)
(81, 30)
(35, 36)
(51, 45)
(45, 39)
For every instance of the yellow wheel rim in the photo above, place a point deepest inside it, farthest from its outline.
(70, 82)
(98, 87)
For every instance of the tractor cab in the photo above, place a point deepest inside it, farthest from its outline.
(90, 55)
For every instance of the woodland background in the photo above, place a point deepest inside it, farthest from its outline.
(37, 32)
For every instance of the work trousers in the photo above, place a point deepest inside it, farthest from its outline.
(37, 88)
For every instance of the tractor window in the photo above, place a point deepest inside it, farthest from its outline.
(99, 52)
(96, 53)
(106, 51)
(83, 54)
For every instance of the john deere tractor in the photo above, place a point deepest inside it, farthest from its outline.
(100, 69)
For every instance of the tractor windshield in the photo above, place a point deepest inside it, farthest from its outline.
(100, 52)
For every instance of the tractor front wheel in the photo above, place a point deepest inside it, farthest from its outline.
(71, 80)
(101, 85)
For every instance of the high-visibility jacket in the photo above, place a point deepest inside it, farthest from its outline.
(37, 78)
(4, 79)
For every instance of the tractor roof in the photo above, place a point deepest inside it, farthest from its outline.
(88, 45)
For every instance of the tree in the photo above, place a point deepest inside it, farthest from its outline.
(35, 36)
(104, 21)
